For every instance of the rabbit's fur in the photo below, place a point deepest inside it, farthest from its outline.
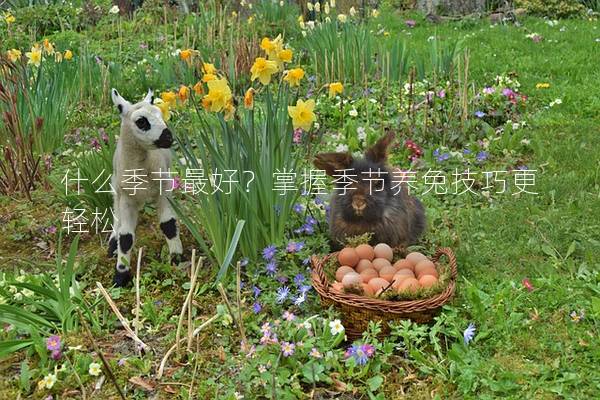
(393, 217)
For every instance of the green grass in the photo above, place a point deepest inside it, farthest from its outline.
(526, 346)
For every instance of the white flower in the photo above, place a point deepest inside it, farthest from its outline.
(555, 102)
(317, 7)
(327, 19)
(94, 369)
(516, 126)
(342, 18)
(304, 33)
(361, 133)
(310, 24)
(430, 38)
(525, 141)
(353, 113)
(352, 11)
(375, 13)
(332, 3)
(341, 148)
(281, 3)
(238, 396)
(326, 8)
(48, 381)
(309, 6)
(114, 9)
(336, 327)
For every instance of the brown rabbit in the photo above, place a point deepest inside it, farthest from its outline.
(370, 203)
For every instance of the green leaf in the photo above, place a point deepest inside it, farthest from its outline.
(7, 347)
(231, 251)
(375, 382)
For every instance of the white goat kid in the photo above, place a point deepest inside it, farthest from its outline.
(141, 163)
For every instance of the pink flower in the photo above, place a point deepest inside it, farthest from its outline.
(56, 354)
(95, 144)
(177, 183)
(528, 284)
(103, 135)
(53, 343)
(410, 23)
(297, 138)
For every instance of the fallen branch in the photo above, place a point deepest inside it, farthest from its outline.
(137, 293)
(188, 299)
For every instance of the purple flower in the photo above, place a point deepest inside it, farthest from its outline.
(440, 157)
(479, 114)
(121, 362)
(297, 138)
(469, 333)
(56, 355)
(294, 247)
(53, 343)
(282, 279)
(522, 168)
(318, 201)
(51, 230)
(256, 307)
(482, 156)
(288, 316)
(306, 261)
(308, 229)
(95, 144)
(256, 290)
(143, 46)
(304, 288)
(441, 94)
(488, 90)
(299, 279)
(310, 220)
(466, 151)
(271, 267)
(410, 23)
(287, 348)
(508, 92)
(369, 349)
(282, 294)
(358, 353)
(298, 208)
(103, 135)
(269, 252)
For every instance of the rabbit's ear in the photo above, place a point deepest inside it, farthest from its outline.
(379, 152)
(331, 162)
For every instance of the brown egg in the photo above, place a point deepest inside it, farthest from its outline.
(400, 276)
(404, 264)
(341, 271)
(367, 289)
(382, 250)
(365, 252)
(378, 284)
(379, 263)
(368, 274)
(422, 265)
(362, 265)
(337, 287)
(387, 273)
(415, 257)
(428, 281)
(351, 279)
(409, 285)
(427, 271)
(348, 257)
(405, 272)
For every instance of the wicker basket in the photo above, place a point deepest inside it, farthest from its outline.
(357, 311)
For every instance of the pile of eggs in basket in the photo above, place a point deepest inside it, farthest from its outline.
(371, 269)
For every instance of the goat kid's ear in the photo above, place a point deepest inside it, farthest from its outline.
(379, 151)
(149, 97)
(330, 162)
(120, 102)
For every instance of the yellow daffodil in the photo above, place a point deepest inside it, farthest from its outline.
(219, 95)
(229, 110)
(34, 56)
(335, 88)
(186, 55)
(263, 69)
(249, 99)
(184, 93)
(68, 55)
(209, 68)
(58, 57)
(14, 55)
(302, 114)
(9, 18)
(285, 55)
(198, 89)
(208, 77)
(48, 46)
(169, 97)
(272, 47)
(542, 86)
(342, 18)
(164, 108)
(294, 76)
(375, 13)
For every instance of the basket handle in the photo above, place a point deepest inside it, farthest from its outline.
(317, 263)
(446, 251)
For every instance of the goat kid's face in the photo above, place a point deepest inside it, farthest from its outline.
(144, 120)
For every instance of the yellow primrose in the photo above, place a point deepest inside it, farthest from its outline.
(249, 99)
(198, 89)
(68, 55)
(164, 108)
(208, 77)
(169, 97)
(14, 55)
(285, 55)
(302, 114)
(542, 86)
(48, 46)
(94, 369)
(186, 55)
(34, 56)
(263, 69)
(9, 18)
(209, 68)
(335, 88)
(219, 94)
(294, 76)
(184, 93)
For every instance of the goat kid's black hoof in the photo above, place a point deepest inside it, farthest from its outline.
(112, 247)
(122, 279)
